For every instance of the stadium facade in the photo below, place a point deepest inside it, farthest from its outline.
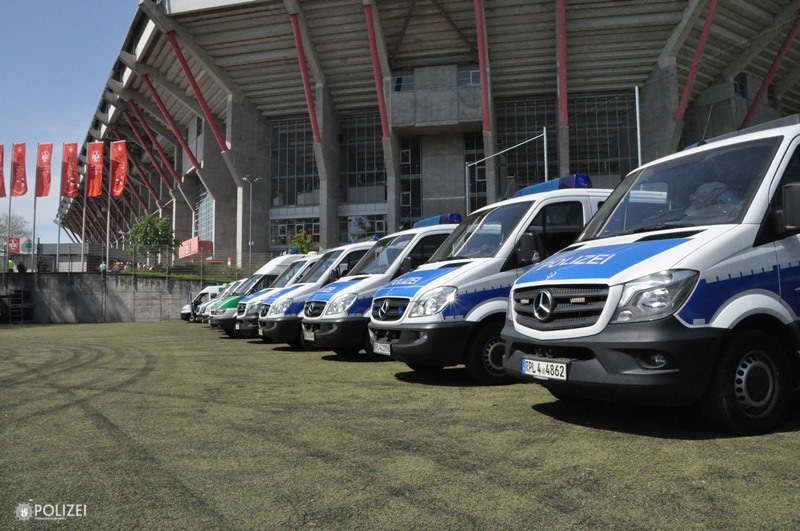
(250, 120)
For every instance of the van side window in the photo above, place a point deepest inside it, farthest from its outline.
(349, 261)
(425, 248)
(769, 229)
(557, 226)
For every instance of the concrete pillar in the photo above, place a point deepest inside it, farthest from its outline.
(249, 134)
(326, 154)
(659, 106)
(391, 160)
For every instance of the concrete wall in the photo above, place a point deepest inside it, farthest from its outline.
(96, 298)
(442, 163)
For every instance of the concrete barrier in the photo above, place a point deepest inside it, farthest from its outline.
(98, 298)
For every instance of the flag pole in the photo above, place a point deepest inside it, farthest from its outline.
(34, 267)
(83, 231)
(108, 212)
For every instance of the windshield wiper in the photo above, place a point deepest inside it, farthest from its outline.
(662, 226)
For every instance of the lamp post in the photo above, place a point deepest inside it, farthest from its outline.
(250, 180)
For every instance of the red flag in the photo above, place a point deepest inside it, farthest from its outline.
(2, 181)
(43, 159)
(119, 167)
(69, 170)
(94, 172)
(19, 183)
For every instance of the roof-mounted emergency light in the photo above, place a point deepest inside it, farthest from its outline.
(577, 180)
(453, 217)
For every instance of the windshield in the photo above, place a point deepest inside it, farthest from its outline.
(325, 262)
(256, 281)
(482, 234)
(381, 256)
(710, 187)
(284, 278)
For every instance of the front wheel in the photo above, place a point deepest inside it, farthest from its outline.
(484, 359)
(750, 389)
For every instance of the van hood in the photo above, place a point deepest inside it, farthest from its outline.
(429, 275)
(617, 260)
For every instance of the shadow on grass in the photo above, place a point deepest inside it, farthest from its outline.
(686, 423)
(451, 377)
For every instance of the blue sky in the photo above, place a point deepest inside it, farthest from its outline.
(55, 56)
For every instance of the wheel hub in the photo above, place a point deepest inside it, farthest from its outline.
(493, 356)
(754, 383)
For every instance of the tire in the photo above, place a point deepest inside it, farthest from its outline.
(191, 318)
(484, 359)
(751, 387)
(230, 332)
(427, 369)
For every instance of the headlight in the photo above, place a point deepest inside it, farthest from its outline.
(654, 296)
(252, 309)
(433, 301)
(280, 307)
(341, 303)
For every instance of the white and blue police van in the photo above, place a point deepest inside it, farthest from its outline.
(248, 308)
(450, 310)
(336, 316)
(684, 289)
(281, 313)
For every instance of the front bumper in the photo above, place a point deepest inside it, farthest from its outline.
(338, 334)
(428, 344)
(247, 327)
(281, 329)
(226, 323)
(616, 364)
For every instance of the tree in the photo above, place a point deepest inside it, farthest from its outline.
(302, 242)
(151, 235)
(19, 228)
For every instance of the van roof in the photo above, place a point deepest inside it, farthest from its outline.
(279, 263)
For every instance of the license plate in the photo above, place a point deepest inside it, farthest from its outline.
(545, 370)
(261, 331)
(236, 326)
(382, 348)
(308, 335)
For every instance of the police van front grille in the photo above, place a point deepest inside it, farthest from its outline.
(264, 310)
(559, 307)
(313, 308)
(388, 309)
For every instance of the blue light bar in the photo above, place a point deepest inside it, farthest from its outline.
(577, 180)
(453, 217)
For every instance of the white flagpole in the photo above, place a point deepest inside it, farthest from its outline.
(83, 231)
(108, 210)
(35, 186)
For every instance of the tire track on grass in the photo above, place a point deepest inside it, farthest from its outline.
(138, 458)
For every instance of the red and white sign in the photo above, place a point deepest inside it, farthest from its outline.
(194, 247)
(13, 245)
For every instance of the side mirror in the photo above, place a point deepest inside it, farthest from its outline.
(334, 276)
(791, 209)
(407, 265)
(527, 251)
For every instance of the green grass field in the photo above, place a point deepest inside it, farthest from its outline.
(173, 426)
